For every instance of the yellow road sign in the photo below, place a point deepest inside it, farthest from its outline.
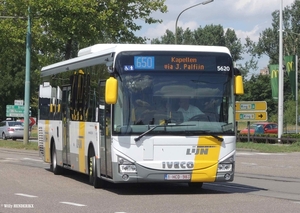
(251, 116)
(250, 105)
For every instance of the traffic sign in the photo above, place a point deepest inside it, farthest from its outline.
(31, 121)
(19, 102)
(14, 111)
(251, 116)
(250, 105)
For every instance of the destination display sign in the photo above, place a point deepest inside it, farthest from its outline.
(178, 62)
(172, 63)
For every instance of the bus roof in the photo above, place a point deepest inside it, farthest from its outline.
(103, 53)
(98, 48)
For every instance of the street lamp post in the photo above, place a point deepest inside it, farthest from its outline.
(27, 75)
(202, 3)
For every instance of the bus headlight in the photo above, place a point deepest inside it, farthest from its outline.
(126, 166)
(225, 167)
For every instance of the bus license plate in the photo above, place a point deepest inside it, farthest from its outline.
(177, 176)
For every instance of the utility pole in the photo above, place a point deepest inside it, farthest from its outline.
(27, 80)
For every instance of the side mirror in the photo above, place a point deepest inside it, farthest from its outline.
(238, 82)
(111, 90)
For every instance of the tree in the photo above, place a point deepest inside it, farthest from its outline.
(268, 44)
(209, 35)
(258, 88)
(168, 38)
(59, 30)
(234, 44)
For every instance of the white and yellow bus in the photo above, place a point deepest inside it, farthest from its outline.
(113, 113)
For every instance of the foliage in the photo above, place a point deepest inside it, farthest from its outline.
(268, 45)
(287, 138)
(58, 30)
(254, 91)
(61, 28)
(268, 41)
(209, 35)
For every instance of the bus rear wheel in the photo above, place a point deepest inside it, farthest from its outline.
(57, 170)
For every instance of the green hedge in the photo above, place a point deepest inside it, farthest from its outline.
(270, 138)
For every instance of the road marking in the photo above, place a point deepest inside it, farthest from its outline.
(251, 164)
(257, 153)
(297, 202)
(25, 195)
(73, 204)
(9, 160)
(33, 159)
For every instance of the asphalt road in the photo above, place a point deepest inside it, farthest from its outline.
(263, 183)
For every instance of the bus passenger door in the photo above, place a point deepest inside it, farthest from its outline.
(105, 145)
(66, 98)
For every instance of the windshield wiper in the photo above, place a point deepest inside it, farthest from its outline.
(154, 127)
(149, 130)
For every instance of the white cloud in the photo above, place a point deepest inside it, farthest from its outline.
(253, 33)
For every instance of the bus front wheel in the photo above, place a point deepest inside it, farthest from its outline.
(93, 179)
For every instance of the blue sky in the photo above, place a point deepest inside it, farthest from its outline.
(246, 17)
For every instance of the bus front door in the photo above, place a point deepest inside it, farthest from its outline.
(66, 122)
(105, 145)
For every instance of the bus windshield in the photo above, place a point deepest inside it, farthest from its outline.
(195, 99)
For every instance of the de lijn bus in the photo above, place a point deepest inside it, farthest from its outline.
(141, 113)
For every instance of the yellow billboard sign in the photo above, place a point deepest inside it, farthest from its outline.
(250, 105)
(251, 116)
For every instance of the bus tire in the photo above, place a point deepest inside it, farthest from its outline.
(93, 179)
(57, 170)
(197, 185)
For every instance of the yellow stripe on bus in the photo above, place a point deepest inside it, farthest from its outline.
(81, 146)
(47, 142)
(206, 159)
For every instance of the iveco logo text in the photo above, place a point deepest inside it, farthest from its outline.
(177, 165)
(199, 150)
